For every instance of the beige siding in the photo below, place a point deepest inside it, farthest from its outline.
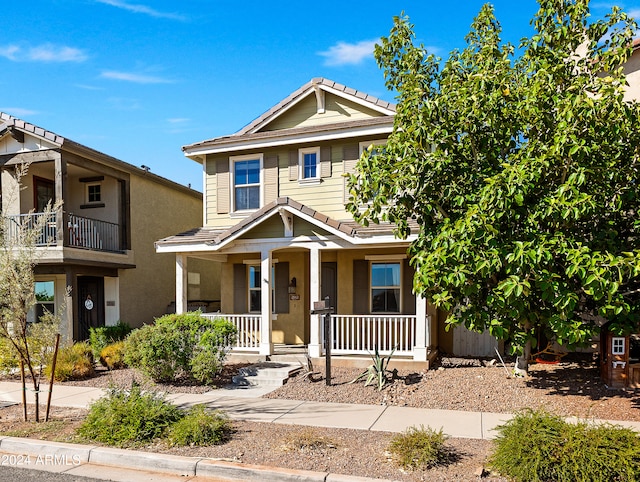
(305, 113)
(158, 211)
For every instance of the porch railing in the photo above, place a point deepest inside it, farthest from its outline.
(248, 326)
(363, 334)
(18, 225)
(83, 232)
(93, 234)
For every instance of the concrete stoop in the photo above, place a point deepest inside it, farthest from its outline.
(266, 374)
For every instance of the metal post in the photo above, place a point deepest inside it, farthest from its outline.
(327, 347)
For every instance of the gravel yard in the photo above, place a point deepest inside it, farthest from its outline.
(568, 388)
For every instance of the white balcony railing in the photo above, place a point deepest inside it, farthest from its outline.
(363, 334)
(248, 326)
(20, 225)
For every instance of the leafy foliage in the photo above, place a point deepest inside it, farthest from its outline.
(536, 446)
(200, 427)
(186, 345)
(102, 336)
(521, 173)
(418, 448)
(129, 418)
(112, 356)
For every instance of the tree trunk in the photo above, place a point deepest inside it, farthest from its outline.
(522, 361)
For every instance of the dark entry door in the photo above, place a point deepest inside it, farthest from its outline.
(90, 304)
(329, 282)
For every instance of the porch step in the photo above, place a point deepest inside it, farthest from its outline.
(270, 374)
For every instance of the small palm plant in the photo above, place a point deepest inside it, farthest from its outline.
(378, 371)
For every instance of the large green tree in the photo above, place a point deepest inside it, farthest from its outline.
(521, 169)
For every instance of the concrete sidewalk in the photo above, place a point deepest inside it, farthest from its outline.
(243, 404)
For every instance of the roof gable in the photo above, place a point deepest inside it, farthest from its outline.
(319, 101)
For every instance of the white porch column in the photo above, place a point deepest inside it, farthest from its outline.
(266, 346)
(423, 328)
(315, 269)
(181, 283)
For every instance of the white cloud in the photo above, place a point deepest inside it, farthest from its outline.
(178, 120)
(634, 12)
(344, 53)
(136, 8)
(18, 111)
(124, 103)
(43, 53)
(135, 78)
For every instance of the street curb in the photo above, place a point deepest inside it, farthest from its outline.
(77, 454)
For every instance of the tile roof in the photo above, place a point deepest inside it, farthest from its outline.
(9, 121)
(216, 236)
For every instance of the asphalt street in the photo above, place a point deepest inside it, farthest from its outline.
(19, 474)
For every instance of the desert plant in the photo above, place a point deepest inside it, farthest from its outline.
(112, 356)
(75, 362)
(102, 336)
(378, 371)
(536, 446)
(128, 418)
(200, 427)
(306, 439)
(8, 357)
(418, 448)
(186, 345)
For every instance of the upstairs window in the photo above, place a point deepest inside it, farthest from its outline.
(94, 193)
(309, 163)
(246, 183)
(385, 288)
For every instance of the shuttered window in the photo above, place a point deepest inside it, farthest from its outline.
(246, 182)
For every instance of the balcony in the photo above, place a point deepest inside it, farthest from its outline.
(84, 233)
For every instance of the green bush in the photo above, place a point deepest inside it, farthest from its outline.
(176, 346)
(199, 427)
(536, 446)
(112, 356)
(128, 418)
(418, 448)
(74, 362)
(102, 336)
(8, 357)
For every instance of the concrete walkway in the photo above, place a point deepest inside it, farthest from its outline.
(246, 404)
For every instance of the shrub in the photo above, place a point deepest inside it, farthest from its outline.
(8, 356)
(536, 446)
(199, 427)
(74, 362)
(112, 356)
(418, 448)
(102, 336)
(128, 418)
(180, 345)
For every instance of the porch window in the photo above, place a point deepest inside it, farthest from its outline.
(246, 183)
(45, 298)
(308, 162)
(385, 287)
(255, 299)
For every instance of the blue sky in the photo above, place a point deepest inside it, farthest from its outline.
(138, 79)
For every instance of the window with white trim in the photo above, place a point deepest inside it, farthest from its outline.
(309, 163)
(93, 193)
(255, 289)
(246, 182)
(617, 345)
(378, 145)
(385, 287)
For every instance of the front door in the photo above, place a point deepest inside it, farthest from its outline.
(90, 304)
(44, 192)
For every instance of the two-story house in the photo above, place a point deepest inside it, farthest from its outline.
(100, 242)
(275, 218)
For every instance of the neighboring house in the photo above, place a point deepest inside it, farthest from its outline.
(100, 243)
(275, 218)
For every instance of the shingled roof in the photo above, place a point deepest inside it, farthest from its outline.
(218, 236)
